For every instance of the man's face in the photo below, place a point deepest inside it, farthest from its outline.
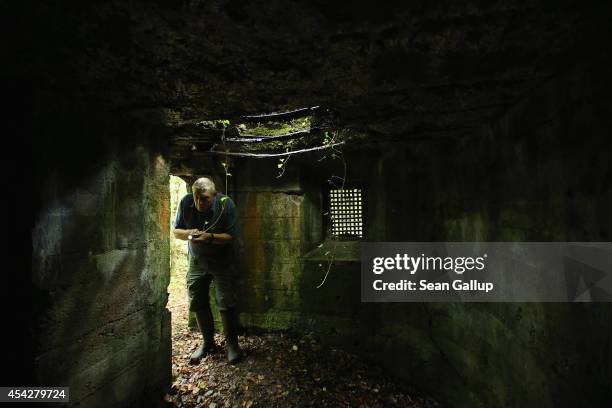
(203, 201)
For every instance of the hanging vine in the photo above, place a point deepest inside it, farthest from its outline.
(285, 135)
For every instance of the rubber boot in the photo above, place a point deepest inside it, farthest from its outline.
(230, 328)
(206, 325)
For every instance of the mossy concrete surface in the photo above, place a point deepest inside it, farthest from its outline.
(101, 267)
(521, 178)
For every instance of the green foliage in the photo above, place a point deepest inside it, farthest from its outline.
(179, 262)
(226, 169)
(214, 124)
(276, 128)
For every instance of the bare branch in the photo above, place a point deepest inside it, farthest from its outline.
(263, 155)
(280, 115)
(255, 139)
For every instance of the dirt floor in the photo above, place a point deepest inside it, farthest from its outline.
(281, 369)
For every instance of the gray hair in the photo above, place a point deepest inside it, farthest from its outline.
(204, 185)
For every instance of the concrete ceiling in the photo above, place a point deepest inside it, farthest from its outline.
(387, 68)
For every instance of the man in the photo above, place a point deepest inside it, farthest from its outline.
(207, 220)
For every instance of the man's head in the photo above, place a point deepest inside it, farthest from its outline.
(204, 193)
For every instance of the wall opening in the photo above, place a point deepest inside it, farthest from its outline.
(179, 262)
(346, 213)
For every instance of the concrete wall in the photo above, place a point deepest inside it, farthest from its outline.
(100, 266)
(271, 214)
(539, 173)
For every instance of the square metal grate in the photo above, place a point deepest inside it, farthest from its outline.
(346, 212)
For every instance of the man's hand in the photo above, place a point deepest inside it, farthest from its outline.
(184, 234)
(195, 233)
(221, 238)
(201, 237)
